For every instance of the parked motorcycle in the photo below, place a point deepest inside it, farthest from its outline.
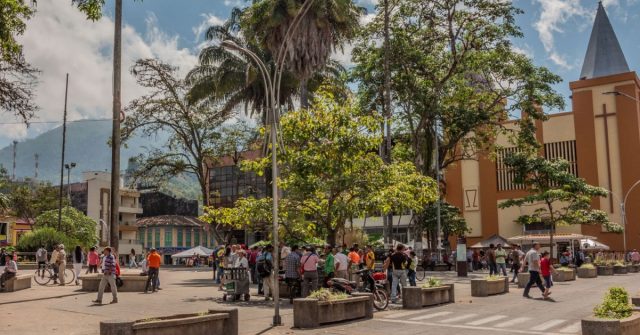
(370, 285)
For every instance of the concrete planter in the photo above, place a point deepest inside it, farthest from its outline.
(523, 279)
(635, 301)
(418, 297)
(564, 275)
(311, 313)
(130, 283)
(587, 273)
(620, 270)
(633, 268)
(17, 283)
(628, 326)
(606, 270)
(484, 287)
(213, 322)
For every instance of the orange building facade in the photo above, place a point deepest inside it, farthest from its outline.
(600, 138)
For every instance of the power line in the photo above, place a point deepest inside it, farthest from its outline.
(44, 122)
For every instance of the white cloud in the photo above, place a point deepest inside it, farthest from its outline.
(556, 14)
(235, 3)
(59, 40)
(209, 20)
(344, 56)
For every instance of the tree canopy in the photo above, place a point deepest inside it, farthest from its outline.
(74, 225)
(330, 172)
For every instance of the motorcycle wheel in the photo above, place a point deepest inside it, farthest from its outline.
(380, 300)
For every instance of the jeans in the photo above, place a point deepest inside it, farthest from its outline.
(111, 280)
(533, 279)
(516, 269)
(493, 268)
(152, 279)
(399, 278)
(411, 275)
(220, 273)
(132, 263)
(6, 276)
(502, 267)
(92, 268)
(254, 273)
(309, 282)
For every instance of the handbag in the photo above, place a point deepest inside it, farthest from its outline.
(301, 269)
(119, 282)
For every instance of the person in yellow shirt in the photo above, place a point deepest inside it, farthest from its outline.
(370, 258)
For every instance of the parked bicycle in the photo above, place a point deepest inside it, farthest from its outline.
(46, 274)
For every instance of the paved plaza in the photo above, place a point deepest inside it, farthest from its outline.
(66, 310)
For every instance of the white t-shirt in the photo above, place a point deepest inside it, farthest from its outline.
(342, 259)
(531, 256)
(241, 263)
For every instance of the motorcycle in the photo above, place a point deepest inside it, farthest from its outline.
(370, 285)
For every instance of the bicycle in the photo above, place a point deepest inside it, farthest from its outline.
(421, 272)
(45, 274)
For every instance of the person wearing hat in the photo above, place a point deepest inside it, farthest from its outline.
(108, 277)
(61, 261)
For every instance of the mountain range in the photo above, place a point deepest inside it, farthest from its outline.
(87, 146)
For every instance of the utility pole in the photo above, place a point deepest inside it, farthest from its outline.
(36, 174)
(388, 218)
(15, 150)
(64, 139)
(437, 169)
(114, 208)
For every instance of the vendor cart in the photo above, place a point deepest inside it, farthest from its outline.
(236, 284)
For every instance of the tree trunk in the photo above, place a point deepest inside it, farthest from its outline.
(304, 94)
(115, 136)
(551, 231)
(331, 236)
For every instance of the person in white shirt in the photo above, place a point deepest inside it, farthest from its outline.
(241, 260)
(10, 270)
(341, 263)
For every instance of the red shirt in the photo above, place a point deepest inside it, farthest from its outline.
(545, 267)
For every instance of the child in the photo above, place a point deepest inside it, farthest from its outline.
(545, 271)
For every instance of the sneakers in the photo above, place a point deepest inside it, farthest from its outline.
(114, 301)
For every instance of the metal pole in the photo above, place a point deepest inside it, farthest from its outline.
(623, 215)
(15, 150)
(64, 139)
(114, 208)
(437, 163)
(388, 218)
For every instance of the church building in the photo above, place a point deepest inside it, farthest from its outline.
(600, 138)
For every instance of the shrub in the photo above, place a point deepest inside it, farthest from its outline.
(615, 305)
(432, 282)
(587, 266)
(324, 294)
(47, 237)
(619, 264)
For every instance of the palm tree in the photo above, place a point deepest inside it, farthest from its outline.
(232, 79)
(327, 26)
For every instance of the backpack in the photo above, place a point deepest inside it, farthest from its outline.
(264, 266)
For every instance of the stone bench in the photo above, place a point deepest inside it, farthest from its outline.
(130, 283)
(213, 322)
(17, 283)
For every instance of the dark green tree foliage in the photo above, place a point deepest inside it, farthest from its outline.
(47, 237)
(74, 225)
(29, 201)
(451, 220)
(17, 77)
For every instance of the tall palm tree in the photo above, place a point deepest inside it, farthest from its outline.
(232, 79)
(327, 26)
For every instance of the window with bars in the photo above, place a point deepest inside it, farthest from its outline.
(180, 229)
(188, 238)
(554, 150)
(149, 237)
(156, 242)
(168, 236)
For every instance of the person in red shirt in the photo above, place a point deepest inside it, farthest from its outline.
(545, 270)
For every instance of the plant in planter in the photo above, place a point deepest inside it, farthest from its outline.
(432, 292)
(324, 306)
(564, 274)
(604, 268)
(587, 270)
(489, 285)
(613, 316)
(619, 268)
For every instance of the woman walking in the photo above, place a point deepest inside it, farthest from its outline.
(93, 260)
(132, 259)
(78, 260)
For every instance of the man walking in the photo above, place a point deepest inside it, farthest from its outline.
(153, 261)
(399, 263)
(532, 260)
(310, 271)
(41, 258)
(516, 258)
(501, 260)
(61, 261)
(292, 271)
(54, 263)
(108, 277)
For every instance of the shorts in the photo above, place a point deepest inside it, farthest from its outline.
(547, 281)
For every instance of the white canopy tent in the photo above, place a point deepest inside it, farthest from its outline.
(198, 251)
(589, 244)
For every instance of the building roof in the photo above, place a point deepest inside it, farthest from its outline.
(604, 56)
(171, 220)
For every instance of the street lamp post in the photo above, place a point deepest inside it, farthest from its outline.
(69, 167)
(272, 93)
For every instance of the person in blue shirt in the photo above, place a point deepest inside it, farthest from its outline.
(265, 268)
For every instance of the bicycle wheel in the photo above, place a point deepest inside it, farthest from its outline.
(420, 273)
(42, 276)
(380, 300)
(69, 276)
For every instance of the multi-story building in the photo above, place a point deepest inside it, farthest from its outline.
(156, 203)
(93, 197)
(12, 228)
(171, 234)
(226, 183)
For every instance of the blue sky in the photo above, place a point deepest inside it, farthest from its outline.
(59, 40)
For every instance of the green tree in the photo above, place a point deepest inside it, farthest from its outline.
(451, 220)
(17, 78)
(28, 201)
(74, 225)
(47, 237)
(330, 172)
(327, 26)
(560, 197)
(194, 129)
